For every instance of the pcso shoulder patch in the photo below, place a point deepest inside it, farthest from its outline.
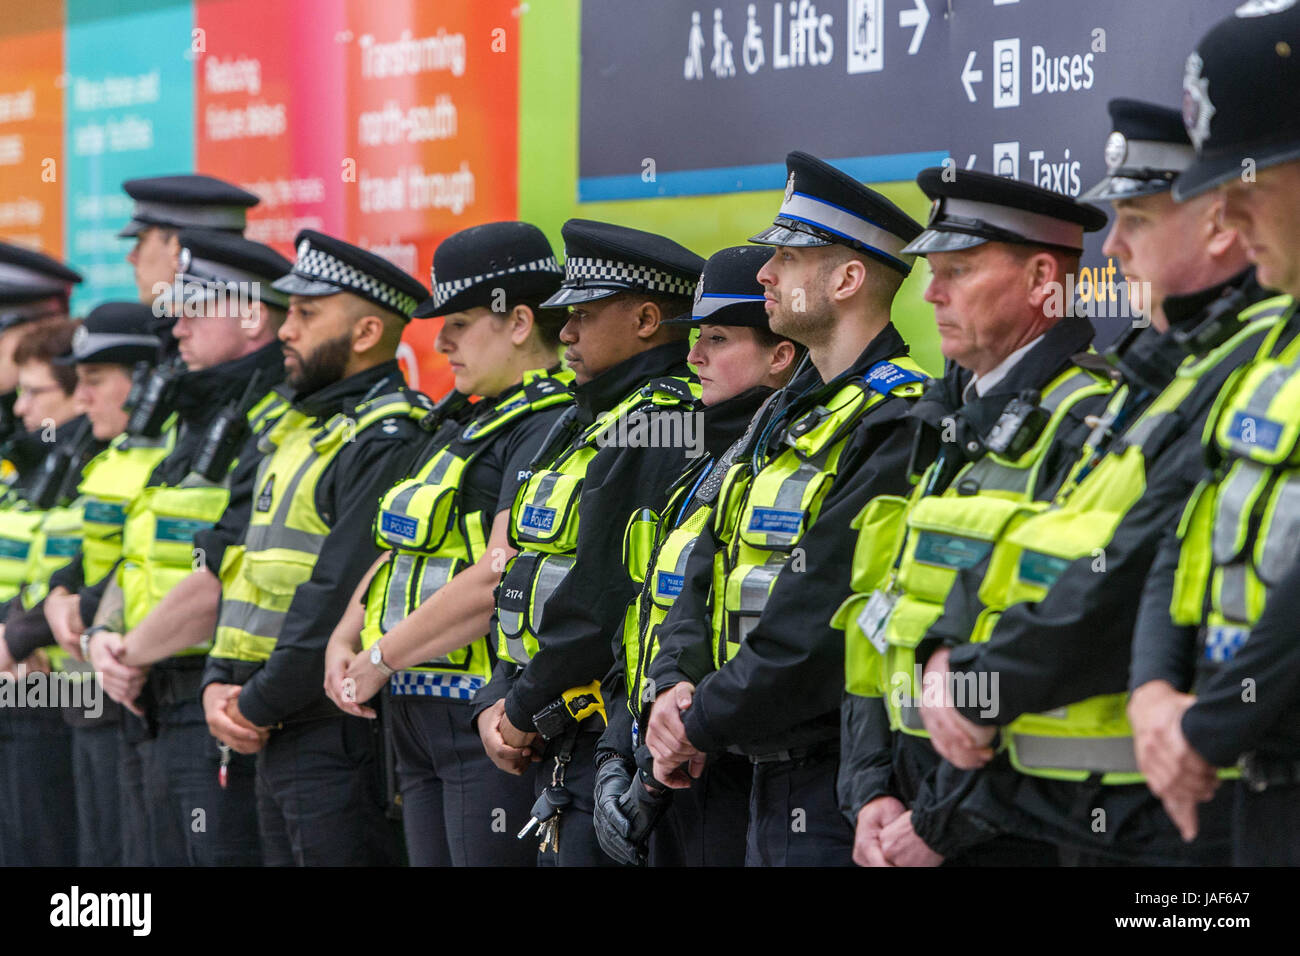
(668, 584)
(537, 518)
(398, 525)
(264, 496)
(884, 377)
(780, 521)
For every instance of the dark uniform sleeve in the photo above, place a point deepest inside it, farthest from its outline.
(1226, 721)
(347, 498)
(72, 576)
(503, 676)
(1162, 650)
(92, 594)
(866, 755)
(588, 605)
(1076, 643)
(229, 529)
(25, 631)
(939, 814)
(793, 655)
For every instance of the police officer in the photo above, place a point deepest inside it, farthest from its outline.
(39, 823)
(1069, 635)
(32, 286)
(417, 624)
(352, 432)
(1002, 429)
(105, 349)
(163, 205)
(195, 504)
(744, 660)
(561, 600)
(740, 361)
(1214, 657)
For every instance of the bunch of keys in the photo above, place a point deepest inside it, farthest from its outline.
(546, 817)
(223, 772)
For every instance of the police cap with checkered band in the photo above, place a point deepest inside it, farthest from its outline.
(602, 259)
(1146, 150)
(1241, 95)
(492, 265)
(328, 266)
(29, 280)
(971, 208)
(729, 292)
(824, 206)
(191, 201)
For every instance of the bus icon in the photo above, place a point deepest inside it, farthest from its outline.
(1006, 75)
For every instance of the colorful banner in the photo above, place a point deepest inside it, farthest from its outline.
(129, 102)
(31, 127)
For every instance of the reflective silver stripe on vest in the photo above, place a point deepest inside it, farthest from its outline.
(1233, 495)
(1140, 432)
(246, 616)
(1103, 755)
(263, 537)
(990, 474)
(755, 588)
(1282, 539)
(544, 487)
(554, 568)
(399, 579)
(440, 466)
(1232, 591)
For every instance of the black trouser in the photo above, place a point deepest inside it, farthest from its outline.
(96, 766)
(578, 845)
(706, 824)
(320, 796)
(193, 820)
(137, 843)
(1266, 826)
(458, 809)
(38, 811)
(794, 815)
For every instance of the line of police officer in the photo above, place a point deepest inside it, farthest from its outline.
(644, 613)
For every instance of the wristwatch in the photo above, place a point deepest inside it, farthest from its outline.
(86, 635)
(377, 658)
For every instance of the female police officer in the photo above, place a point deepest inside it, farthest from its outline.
(418, 621)
(740, 361)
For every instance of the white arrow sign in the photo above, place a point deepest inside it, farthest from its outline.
(918, 18)
(971, 75)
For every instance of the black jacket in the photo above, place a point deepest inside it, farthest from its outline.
(290, 683)
(782, 689)
(586, 609)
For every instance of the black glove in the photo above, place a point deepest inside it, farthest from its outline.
(613, 780)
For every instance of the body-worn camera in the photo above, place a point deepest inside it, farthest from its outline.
(155, 403)
(1018, 427)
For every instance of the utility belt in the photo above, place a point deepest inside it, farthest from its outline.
(177, 680)
(819, 750)
(1261, 773)
(567, 712)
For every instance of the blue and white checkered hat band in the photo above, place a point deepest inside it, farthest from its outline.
(580, 269)
(839, 221)
(317, 264)
(711, 302)
(443, 291)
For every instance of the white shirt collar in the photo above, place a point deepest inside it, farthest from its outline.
(982, 383)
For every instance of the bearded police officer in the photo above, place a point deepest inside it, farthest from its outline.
(751, 664)
(352, 432)
(1002, 429)
(194, 505)
(1215, 661)
(561, 601)
(1073, 575)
